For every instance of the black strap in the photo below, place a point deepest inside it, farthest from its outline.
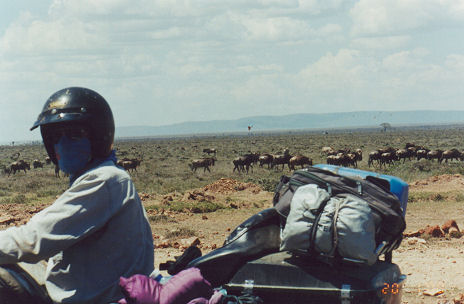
(313, 231)
(174, 267)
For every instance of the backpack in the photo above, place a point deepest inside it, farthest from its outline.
(338, 218)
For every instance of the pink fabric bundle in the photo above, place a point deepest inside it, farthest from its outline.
(188, 286)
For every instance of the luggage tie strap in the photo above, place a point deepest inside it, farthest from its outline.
(345, 295)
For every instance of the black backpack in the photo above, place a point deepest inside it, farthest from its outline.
(375, 191)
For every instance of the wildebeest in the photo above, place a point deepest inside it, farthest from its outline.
(359, 154)
(376, 155)
(299, 160)
(7, 170)
(57, 171)
(450, 154)
(244, 162)
(37, 164)
(386, 150)
(129, 164)
(412, 152)
(340, 159)
(435, 154)
(373, 156)
(19, 165)
(281, 159)
(211, 160)
(204, 163)
(265, 159)
(421, 153)
(402, 154)
(351, 159)
(387, 158)
(328, 151)
(209, 151)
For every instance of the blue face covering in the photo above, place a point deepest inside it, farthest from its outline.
(72, 155)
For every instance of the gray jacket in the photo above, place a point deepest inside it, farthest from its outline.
(92, 234)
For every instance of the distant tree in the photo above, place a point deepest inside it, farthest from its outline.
(386, 126)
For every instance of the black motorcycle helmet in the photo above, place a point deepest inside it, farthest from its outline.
(81, 106)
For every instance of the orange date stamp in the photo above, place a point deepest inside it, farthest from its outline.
(391, 289)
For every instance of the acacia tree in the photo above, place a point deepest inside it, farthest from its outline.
(386, 126)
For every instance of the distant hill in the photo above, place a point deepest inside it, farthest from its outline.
(297, 122)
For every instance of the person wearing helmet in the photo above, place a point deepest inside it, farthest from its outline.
(97, 231)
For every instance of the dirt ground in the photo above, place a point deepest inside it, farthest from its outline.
(434, 265)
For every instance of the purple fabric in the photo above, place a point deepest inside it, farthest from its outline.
(215, 299)
(185, 286)
(140, 289)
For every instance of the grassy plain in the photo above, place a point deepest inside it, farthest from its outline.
(164, 166)
(164, 179)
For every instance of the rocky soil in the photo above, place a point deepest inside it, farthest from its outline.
(431, 255)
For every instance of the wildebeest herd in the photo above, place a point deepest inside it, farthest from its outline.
(387, 156)
(245, 163)
(129, 164)
(342, 157)
(20, 165)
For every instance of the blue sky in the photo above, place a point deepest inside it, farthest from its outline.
(169, 61)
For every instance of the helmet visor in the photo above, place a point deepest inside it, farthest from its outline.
(74, 131)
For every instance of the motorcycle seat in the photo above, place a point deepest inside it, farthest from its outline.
(259, 235)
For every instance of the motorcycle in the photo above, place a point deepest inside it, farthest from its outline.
(250, 264)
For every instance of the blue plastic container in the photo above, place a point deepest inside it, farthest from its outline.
(397, 186)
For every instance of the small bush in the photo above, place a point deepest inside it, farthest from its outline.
(415, 197)
(436, 197)
(460, 197)
(423, 166)
(152, 207)
(177, 206)
(268, 184)
(205, 207)
(34, 184)
(160, 218)
(19, 199)
(16, 199)
(182, 232)
(47, 193)
(197, 207)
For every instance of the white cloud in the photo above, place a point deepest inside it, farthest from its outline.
(329, 30)
(65, 8)
(455, 62)
(279, 3)
(380, 17)
(316, 7)
(245, 57)
(381, 43)
(30, 36)
(259, 92)
(172, 32)
(333, 72)
(260, 68)
(405, 60)
(282, 28)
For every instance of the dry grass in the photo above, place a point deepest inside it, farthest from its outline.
(164, 172)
